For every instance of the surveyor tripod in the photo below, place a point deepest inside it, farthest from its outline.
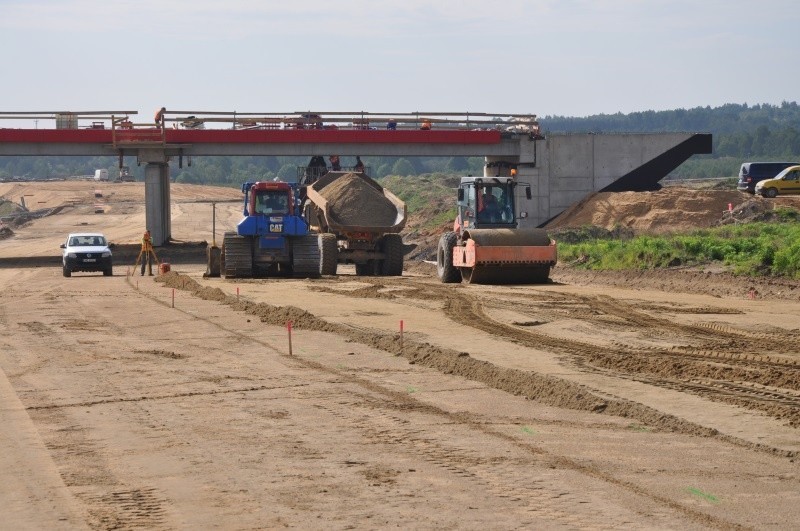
(145, 257)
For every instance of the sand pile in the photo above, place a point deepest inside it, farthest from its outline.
(354, 201)
(666, 210)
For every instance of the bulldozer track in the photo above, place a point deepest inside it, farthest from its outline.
(237, 256)
(306, 256)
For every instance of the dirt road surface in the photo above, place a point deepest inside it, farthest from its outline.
(567, 405)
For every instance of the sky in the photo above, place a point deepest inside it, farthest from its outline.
(543, 57)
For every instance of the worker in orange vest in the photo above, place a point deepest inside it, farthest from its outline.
(147, 250)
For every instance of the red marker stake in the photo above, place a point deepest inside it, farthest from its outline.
(401, 335)
(173, 297)
(237, 293)
(289, 330)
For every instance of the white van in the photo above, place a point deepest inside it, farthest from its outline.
(100, 175)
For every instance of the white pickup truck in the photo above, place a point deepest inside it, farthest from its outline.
(86, 251)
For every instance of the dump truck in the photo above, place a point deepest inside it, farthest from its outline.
(358, 221)
(272, 239)
(486, 245)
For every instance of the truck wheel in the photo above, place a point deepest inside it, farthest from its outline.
(329, 252)
(108, 272)
(445, 270)
(67, 271)
(392, 265)
(366, 270)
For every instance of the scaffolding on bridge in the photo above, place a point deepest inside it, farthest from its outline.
(125, 130)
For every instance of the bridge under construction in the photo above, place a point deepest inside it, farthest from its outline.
(561, 169)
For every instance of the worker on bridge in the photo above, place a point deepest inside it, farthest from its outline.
(159, 119)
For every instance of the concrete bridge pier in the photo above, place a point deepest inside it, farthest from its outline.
(157, 201)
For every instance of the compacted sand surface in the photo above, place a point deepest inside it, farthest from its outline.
(179, 402)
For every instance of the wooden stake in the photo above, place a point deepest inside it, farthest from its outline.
(289, 330)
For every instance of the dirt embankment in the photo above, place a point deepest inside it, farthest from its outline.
(669, 210)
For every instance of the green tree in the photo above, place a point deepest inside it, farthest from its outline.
(403, 167)
(458, 164)
(288, 173)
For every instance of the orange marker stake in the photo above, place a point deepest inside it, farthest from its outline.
(237, 293)
(173, 297)
(289, 330)
(401, 335)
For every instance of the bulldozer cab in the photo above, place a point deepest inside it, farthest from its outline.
(272, 202)
(268, 199)
(486, 202)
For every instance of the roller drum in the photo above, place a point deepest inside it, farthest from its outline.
(509, 237)
(508, 256)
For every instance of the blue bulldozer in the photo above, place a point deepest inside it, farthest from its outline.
(273, 238)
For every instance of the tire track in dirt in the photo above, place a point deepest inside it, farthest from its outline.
(109, 502)
(595, 308)
(544, 389)
(504, 477)
(677, 368)
(548, 390)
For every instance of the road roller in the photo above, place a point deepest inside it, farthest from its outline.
(486, 246)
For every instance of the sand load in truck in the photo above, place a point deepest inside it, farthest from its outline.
(359, 222)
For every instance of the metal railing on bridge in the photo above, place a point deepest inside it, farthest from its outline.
(357, 120)
(127, 131)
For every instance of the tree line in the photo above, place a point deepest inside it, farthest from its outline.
(740, 132)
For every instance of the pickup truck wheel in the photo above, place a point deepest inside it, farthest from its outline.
(67, 271)
(108, 272)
